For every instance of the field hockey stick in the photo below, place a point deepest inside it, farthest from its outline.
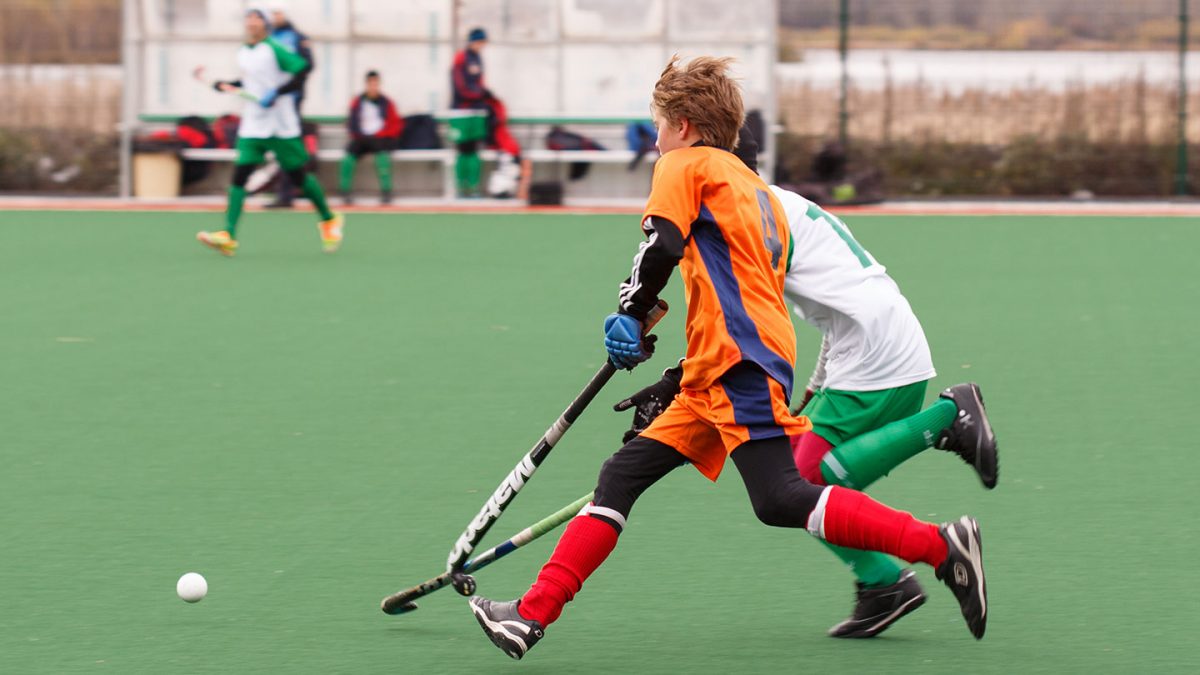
(516, 479)
(402, 602)
(198, 73)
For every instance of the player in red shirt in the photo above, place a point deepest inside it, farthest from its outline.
(719, 223)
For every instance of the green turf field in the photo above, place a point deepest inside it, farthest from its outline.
(311, 433)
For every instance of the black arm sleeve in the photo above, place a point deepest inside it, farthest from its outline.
(296, 83)
(652, 267)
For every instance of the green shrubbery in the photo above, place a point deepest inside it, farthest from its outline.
(1027, 167)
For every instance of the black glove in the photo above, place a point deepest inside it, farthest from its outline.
(650, 402)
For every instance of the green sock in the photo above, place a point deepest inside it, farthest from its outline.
(383, 167)
(865, 459)
(312, 190)
(346, 173)
(467, 169)
(873, 569)
(233, 212)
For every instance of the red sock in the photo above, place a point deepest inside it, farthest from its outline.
(807, 451)
(585, 544)
(854, 520)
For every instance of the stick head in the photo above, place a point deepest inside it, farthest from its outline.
(463, 583)
(398, 608)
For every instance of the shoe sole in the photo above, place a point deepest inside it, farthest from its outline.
(228, 253)
(973, 555)
(883, 624)
(495, 632)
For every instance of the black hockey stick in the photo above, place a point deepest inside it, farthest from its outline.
(516, 479)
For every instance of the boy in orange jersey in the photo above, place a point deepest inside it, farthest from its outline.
(719, 223)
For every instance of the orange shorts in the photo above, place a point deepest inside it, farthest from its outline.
(745, 404)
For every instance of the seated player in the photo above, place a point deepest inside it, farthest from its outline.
(715, 219)
(269, 124)
(864, 398)
(470, 92)
(375, 129)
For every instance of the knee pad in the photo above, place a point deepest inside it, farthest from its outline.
(241, 174)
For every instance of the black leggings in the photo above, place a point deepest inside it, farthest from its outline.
(779, 495)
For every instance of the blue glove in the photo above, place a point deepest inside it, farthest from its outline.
(623, 340)
(268, 99)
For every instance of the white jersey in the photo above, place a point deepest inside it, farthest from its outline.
(872, 339)
(267, 66)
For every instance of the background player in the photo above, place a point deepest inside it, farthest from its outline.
(470, 92)
(865, 395)
(375, 127)
(269, 71)
(715, 219)
(286, 34)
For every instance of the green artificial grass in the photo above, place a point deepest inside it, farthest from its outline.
(312, 432)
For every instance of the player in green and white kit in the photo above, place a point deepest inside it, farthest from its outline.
(270, 123)
(865, 396)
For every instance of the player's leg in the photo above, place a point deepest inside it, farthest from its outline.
(250, 154)
(874, 432)
(589, 538)
(781, 497)
(383, 169)
(293, 157)
(354, 151)
(885, 591)
(468, 168)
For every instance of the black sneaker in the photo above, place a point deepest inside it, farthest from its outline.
(970, 435)
(876, 609)
(508, 630)
(385, 198)
(963, 571)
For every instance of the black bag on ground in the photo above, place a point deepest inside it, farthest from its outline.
(548, 193)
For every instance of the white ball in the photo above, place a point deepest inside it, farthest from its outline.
(191, 587)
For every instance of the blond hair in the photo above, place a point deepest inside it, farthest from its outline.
(703, 93)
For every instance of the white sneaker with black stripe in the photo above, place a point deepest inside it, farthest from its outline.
(962, 571)
(508, 630)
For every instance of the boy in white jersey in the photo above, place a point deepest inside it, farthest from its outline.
(864, 398)
(270, 123)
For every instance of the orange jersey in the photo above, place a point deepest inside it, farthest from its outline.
(733, 265)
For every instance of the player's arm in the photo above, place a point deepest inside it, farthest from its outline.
(817, 380)
(353, 125)
(656, 259)
(289, 62)
(652, 266)
(469, 87)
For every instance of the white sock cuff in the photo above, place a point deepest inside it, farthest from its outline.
(816, 519)
(612, 514)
